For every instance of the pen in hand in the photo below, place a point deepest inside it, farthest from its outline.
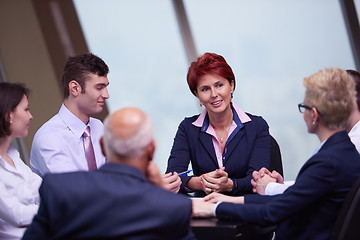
(184, 173)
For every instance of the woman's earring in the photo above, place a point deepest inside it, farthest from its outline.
(314, 123)
(10, 121)
(200, 105)
(232, 95)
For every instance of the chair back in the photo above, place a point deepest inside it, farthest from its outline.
(275, 157)
(347, 224)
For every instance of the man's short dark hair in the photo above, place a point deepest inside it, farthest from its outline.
(77, 68)
(355, 75)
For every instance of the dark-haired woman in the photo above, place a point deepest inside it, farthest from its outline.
(224, 144)
(19, 197)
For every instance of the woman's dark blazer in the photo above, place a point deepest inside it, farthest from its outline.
(309, 208)
(248, 150)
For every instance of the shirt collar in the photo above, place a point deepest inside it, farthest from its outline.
(72, 122)
(354, 129)
(14, 155)
(239, 117)
(318, 148)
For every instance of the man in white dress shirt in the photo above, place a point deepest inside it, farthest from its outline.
(58, 145)
(267, 183)
(353, 127)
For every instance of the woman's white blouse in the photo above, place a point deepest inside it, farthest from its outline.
(19, 196)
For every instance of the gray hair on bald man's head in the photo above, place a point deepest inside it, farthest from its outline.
(133, 146)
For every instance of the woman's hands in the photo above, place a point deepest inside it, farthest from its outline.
(171, 182)
(216, 181)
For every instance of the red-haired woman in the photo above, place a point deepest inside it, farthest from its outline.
(224, 144)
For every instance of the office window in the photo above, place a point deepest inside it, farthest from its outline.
(140, 42)
(357, 7)
(271, 46)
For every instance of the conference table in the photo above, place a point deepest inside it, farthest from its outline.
(212, 228)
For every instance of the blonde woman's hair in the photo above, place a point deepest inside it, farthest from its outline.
(332, 92)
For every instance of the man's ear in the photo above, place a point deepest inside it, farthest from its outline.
(151, 149)
(102, 146)
(74, 88)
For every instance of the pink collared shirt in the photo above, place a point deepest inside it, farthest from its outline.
(210, 130)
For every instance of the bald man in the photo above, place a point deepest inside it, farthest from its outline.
(118, 201)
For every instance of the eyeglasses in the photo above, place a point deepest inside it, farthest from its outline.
(302, 108)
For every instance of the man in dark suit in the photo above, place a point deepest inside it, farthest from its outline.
(117, 201)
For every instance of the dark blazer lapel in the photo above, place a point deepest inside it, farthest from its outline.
(234, 142)
(206, 141)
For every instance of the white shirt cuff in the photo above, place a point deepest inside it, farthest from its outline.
(216, 205)
(277, 188)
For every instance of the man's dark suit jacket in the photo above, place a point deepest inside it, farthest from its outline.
(308, 209)
(114, 202)
(247, 151)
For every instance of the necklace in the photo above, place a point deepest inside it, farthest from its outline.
(225, 133)
(221, 139)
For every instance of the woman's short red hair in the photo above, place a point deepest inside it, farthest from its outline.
(209, 63)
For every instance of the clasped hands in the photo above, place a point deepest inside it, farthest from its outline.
(212, 183)
(205, 207)
(216, 181)
(262, 178)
